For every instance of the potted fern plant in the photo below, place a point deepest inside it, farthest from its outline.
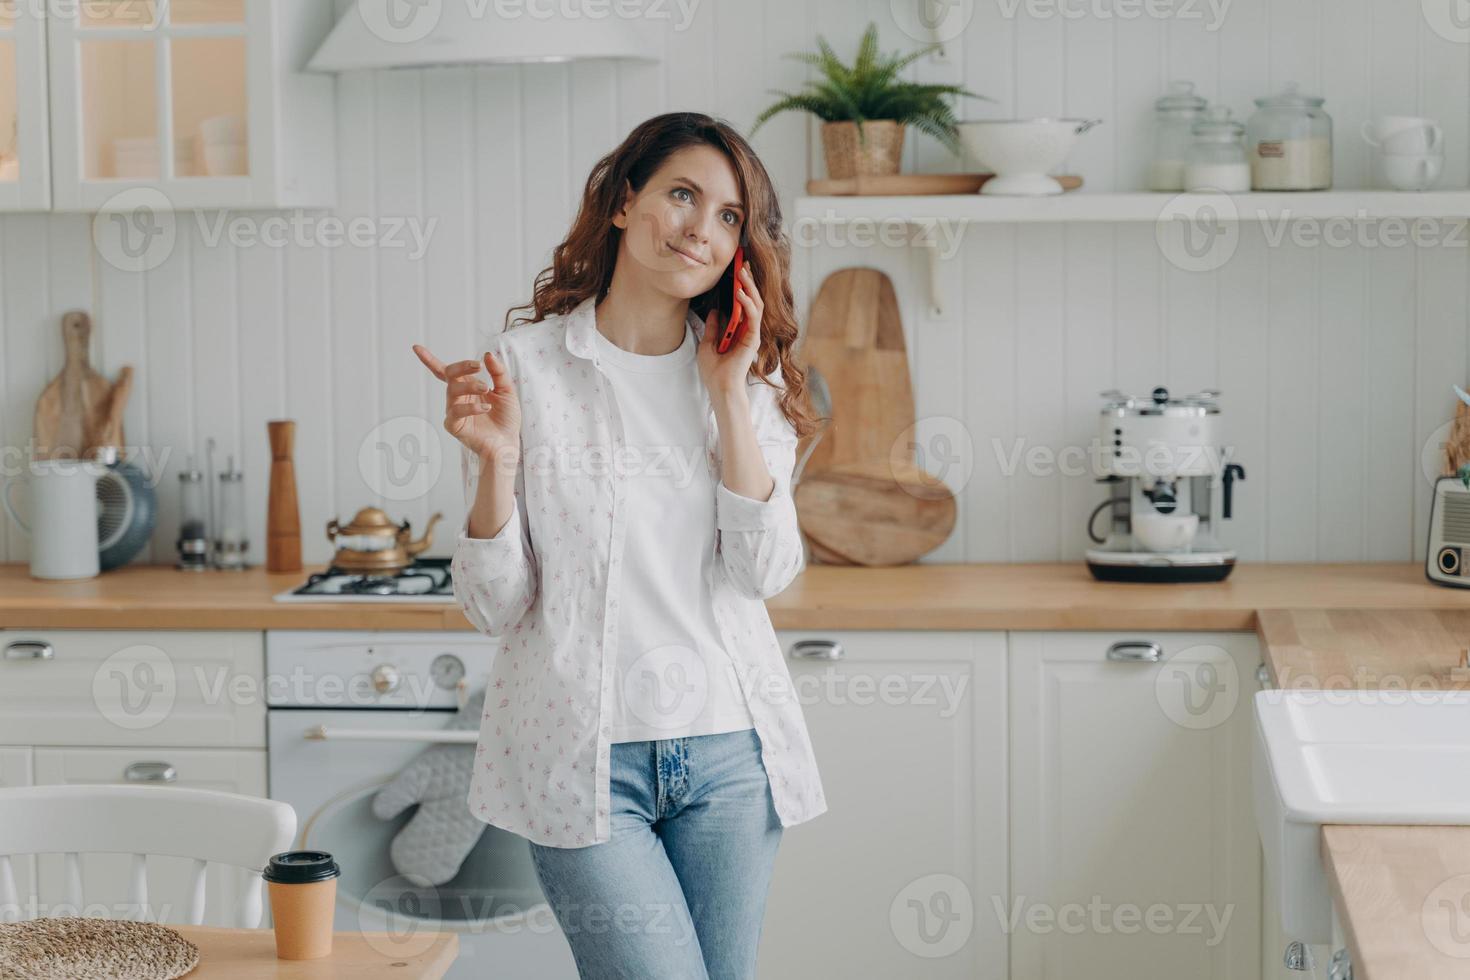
(865, 107)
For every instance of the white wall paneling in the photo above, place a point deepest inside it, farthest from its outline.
(1335, 362)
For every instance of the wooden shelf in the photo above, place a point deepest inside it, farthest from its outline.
(1367, 205)
(937, 211)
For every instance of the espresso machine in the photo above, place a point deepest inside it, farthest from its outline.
(1161, 460)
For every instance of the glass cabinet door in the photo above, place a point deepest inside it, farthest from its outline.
(24, 166)
(152, 93)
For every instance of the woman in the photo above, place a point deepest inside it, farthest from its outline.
(629, 508)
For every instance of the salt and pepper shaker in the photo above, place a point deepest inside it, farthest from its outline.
(230, 543)
(210, 538)
(193, 541)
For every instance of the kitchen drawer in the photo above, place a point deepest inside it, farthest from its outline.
(226, 770)
(105, 877)
(132, 687)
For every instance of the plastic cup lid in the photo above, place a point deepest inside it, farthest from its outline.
(301, 867)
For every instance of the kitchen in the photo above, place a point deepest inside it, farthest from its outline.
(268, 321)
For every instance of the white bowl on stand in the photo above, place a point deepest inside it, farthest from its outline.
(1021, 151)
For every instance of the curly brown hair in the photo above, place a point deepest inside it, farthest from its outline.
(582, 265)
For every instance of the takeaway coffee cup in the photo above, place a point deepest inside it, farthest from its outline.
(303, 891)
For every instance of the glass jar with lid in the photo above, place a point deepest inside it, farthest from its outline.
(1174, 114)
(1217, 159)
(1289, 142)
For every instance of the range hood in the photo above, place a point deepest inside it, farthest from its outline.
(432, 33)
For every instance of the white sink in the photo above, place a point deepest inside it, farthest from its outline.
(1351, 757)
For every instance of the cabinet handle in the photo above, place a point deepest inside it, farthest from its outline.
(30, 650)
(1298, 957)
(816, 650)
(150, 772)
(1136, 651)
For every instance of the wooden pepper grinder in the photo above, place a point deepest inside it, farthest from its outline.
(283, 516)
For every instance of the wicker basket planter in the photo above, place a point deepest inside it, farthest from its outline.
(876, 155)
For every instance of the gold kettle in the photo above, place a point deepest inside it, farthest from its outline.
(374, 544)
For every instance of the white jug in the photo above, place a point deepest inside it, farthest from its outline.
(63, 511)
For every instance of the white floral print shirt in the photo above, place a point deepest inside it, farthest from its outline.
(547, 584)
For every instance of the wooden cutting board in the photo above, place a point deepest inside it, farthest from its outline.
(74, 405)
(861, 499)
(108, 427)
(908, 185)
(855, 338)
(874, 513)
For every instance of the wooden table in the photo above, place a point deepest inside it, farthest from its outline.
(236, 954)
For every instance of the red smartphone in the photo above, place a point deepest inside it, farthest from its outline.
(736, 314)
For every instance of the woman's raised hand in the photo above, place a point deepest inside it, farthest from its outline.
(483, 420)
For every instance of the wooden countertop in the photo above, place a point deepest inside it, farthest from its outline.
(163, 597)
(1364, 648)
(1051, 596)
(1403, 894)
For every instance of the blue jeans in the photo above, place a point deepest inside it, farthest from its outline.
(679, 891)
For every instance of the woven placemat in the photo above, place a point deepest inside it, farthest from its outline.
(68, 948)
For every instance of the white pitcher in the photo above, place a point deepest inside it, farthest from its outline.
(63, 512)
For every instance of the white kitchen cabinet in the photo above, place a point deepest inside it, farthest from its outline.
(132, 687)
(25, 168)
(190, 104)
(1274, 939)
(131, 707)
(1132, 827)
(896, 878)
(1274, 942)
(105, 877)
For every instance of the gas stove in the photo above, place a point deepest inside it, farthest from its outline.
(426, 580)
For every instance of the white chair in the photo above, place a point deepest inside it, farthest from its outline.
(205, 825)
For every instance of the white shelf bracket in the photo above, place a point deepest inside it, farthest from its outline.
(928, 244)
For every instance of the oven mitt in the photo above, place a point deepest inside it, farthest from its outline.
(430, 848)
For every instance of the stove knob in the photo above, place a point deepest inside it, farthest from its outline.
(385, 679)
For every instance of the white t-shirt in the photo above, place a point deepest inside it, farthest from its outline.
(672, 675)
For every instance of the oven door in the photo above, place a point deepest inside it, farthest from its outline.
(495, 902)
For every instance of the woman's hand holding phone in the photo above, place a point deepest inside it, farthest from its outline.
(484, 421)
(725, 373)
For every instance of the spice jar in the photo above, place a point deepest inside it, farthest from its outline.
(1174, 115)
(1217, 159)
(1289, 141)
